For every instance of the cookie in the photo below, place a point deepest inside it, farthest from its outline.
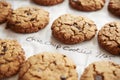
(48, 2)
(114, 7)
(72, 29)
(28, 19)
(109, 37)
(102, 70)
(5, 10)
(48, 66)
(11, 57)
(87, 5)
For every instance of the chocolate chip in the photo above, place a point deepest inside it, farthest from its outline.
(119, 46)
(4, 49)
(54, 62)
(98, 77)
(64, 55)
(74, 0)
(63, 77)
(76, 25)
(32, 19)
(27, 12)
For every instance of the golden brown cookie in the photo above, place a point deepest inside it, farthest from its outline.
(48, 66)
(114, 7)
(28, 19)
(71, 29)
(87, 5)
(5, 10)
(102, 70)
(48, 2)
(11, 57)
(109, 37)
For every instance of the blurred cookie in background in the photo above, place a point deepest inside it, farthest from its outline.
(48, 2)
(114, 7)
(87, 5)
(5, 10)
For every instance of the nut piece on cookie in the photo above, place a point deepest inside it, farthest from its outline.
(47, 2)
(114, 7)
(48, 66)
(101, 70)
(109, 37)
(11, 58)
(87, 5)
(28, 19)
(5, 10)
(72, 29)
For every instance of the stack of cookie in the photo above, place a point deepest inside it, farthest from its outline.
(69, 29)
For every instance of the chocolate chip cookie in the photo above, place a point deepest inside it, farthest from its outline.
(48, 66)
(87, 5)
(48, 2)
(28, 19)
(114, 7)
(109, 37)
(71, 29)
(102, 70)
(5, 10)
(11, 57)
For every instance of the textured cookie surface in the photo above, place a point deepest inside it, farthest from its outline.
(11, 57)
(48, 66)
(5, 9)
(28, 19)
(87, 5)
(71, 29)
(114, 7)
(109, 37)
(48, 2)
(102, 70)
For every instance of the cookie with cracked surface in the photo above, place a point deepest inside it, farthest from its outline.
(48, 66)
(11, 57)
(28, 19)
(48, 2)
(87, 5)
(101, 70)
(114, 7)
(5, 10)
(72, 29)
(109, 37)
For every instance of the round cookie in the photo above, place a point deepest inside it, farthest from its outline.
(101, 70)
(114, 7)
(48, 2)
(48, 66)
(109, 37)
(11, 57)
(5, 10)
(28, 19)
(87, 5)
(71, 29)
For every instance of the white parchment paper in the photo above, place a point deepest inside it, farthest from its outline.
(42, 41)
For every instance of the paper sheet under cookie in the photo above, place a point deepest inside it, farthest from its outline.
(42, 41)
